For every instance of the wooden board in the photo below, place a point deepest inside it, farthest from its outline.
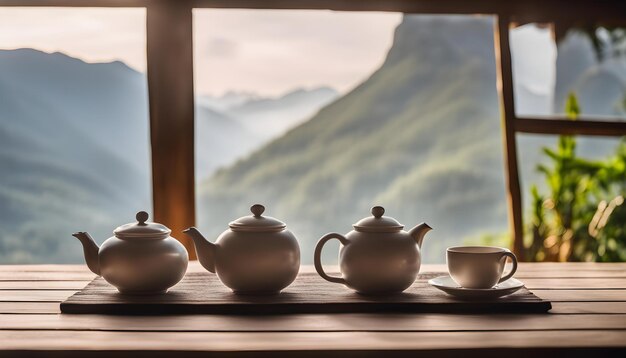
(203, 293)
(588, 319)
(292, 344)
(314, 322)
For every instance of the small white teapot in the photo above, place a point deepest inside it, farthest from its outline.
(257, 255)
(377, 257)
(142, 258)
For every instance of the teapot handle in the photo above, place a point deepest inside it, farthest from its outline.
(318, 253)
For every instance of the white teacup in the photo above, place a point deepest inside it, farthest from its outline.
(479, 266)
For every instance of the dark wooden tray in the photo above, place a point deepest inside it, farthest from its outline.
(203, 293)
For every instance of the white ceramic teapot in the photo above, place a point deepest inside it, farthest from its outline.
(141, 258)
(257, 255)
(377, 257)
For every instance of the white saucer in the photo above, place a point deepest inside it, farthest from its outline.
(447, 285)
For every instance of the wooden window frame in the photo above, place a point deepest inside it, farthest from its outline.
(171, 94)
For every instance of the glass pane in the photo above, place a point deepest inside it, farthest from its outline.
(573, 190)
(401, 111)
(589, 64)
(74, 153)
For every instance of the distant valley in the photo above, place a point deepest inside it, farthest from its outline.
(233, 125)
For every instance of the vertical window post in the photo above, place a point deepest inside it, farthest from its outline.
(507, 108)
(170, 86)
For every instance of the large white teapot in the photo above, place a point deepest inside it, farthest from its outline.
(142, 257)
(377, 257)
(256, 255)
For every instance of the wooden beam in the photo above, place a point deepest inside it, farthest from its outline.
(569, 127)
(170, 85)
(76, 3)
(522, 11)
(507, 109)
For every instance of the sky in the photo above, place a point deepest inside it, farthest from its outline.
(534, 49)
(266, 52)
(279, 50)
(94, 35)
(260, 51)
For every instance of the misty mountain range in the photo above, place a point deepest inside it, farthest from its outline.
(74, 148)
(231, 126)
(421, 136)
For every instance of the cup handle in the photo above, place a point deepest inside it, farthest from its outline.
(514, 260)
(317, 260)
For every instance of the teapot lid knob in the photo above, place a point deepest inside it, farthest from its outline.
(142, 217)
(257, 210)
(378, 211)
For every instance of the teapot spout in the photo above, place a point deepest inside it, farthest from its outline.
(204, 249)
(419, 232)
(90, 249)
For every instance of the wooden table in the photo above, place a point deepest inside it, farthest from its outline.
(588, 319)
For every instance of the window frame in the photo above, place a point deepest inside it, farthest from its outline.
(169, 50)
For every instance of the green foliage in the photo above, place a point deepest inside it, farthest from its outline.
(582, 217)
(572, 109)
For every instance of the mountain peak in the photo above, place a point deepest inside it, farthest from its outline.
(435, 38)
(301, 91)
(31, 57)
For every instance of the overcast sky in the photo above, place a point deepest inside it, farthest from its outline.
(261, 51)
(95, 35)
(266, 52)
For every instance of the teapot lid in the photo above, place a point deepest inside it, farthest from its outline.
(378, 223)
(257, 222)
(142, 229)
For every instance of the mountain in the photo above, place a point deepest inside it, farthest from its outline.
(226, 101)
(73, 152)
(270, 117)
(421, 137)
(232, 126)
(600, 86)
(220, 140)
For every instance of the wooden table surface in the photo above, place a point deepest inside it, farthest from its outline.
(588, 317)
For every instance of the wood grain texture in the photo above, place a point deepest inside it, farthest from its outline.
(344, 322)
(169, 47)
(29, 308)
(43, 268)
(583, 308)
(524, 10)
(583, 295)
(588, 283)
(12, 340)
(35, 295)
(569, 127)
(43, 285)
(570, 308)
(201, 293)
(506, 98)
(588, 319)
(194, 266)
(46, 276)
